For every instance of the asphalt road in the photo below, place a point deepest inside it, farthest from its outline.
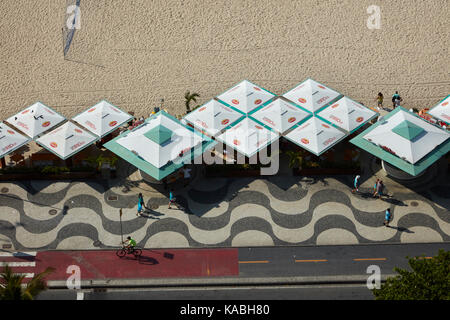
(273, 262)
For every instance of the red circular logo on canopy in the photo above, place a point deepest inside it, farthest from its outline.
(236, 142)
(201, 109)
(301, 100)
(444, 104)
(112, 123)
(335, 105)
(10, 132)
(304, 140)
(46, 124)
(78, 130)
(26, 111)
(258, 127)
(291, 119)
(258, 101)
(90, 110)
(234, 101)
(359, 119)
(325, 126)
(225, 121)
(257, 89)
(321, 87)
(53, 144)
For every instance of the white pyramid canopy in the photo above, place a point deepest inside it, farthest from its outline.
(246, 96)
(66, 140)
(102, 118)
(315, 135)
(407, 136)
(10, 140)
(36, 119)
(280, 115)
(442, 110)
(248, 137)
(347, 114)
(160, 140)
(212, 117)
(311, 95)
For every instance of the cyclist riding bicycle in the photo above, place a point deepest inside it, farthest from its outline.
(130, 243)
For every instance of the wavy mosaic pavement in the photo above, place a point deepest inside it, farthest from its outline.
(220, 212)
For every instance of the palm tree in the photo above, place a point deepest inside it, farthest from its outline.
(11, 287)
(190, 97)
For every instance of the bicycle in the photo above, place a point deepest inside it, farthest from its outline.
(128, 250)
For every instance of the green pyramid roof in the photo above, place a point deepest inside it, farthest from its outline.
(159, 134)
(408, 130)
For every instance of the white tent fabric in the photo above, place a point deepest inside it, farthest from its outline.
(102, 118)
(10, 140)
(66, 140)
(35, 120)
(212, 117)
(347, 114)
(158, 155)
(315, 135)
(442, 110)
(409, 150)
(280, 115)
(246, 96)
(311, 95)
(248, 137)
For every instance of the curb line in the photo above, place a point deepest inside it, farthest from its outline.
(223, 281)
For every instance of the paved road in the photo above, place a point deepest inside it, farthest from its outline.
(276, 273)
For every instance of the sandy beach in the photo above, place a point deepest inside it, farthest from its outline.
(133, 53)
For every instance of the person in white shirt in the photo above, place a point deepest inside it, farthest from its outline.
(187, 175)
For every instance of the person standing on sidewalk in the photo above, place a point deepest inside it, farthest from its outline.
(141, 204)
(356, 184)
(387, 217)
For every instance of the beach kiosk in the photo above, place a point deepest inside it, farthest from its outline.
(160, 146)
(405, 141)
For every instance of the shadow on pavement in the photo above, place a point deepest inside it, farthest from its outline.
(401, 229)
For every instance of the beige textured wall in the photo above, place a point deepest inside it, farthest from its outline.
(135, 52)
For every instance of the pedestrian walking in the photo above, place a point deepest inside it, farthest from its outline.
(396, 99)
(380, 188)
(356, 184)
(171, 198)
(375, 187)
(379, 99)
(186, 175)
(387, 217)
(141, 204)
